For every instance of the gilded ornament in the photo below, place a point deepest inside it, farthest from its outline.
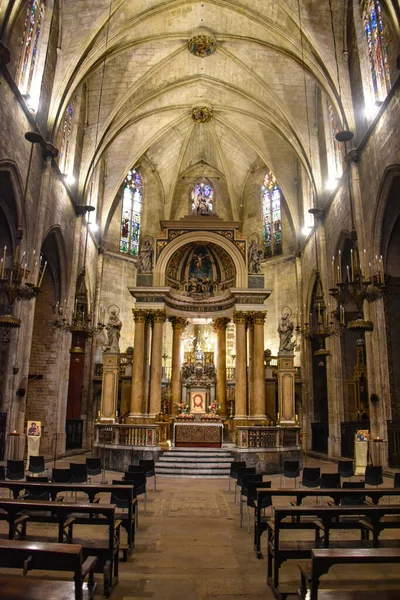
(201, 114)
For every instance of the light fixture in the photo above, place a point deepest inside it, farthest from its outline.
(331, 185)
(69, 178)
(23, 278)
(345, 135)
(371, 109)
(306, 230)
(93, 227)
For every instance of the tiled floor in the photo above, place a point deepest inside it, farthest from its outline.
(190, 546)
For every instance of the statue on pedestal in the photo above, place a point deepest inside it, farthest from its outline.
(145, 262)
(113, 329)
(254, 258)
(285, 330)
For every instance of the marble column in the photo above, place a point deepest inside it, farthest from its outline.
(250, 372)
(138, 362)
(146, 363)
(220, 326)
(258, 401)
(178, 326)
(239, 318)
(156, 363)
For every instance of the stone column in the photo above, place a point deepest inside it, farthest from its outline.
(146, 365)
(156, 363)
(178, 326)
(138, 361)
(258, 400)
(220, 326)
(109, 390)
(286, 397)
(250, 371)
(239, 318)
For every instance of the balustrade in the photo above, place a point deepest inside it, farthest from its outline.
(125, 435)
(268, 437)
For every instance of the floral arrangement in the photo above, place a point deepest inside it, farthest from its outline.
(210, 416)
(182, 408)
(185, 417)
(214, 407)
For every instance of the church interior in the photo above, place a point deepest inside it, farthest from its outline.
(199, 225)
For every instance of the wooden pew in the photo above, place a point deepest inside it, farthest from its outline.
(92, 491)
(322, 560)
(66, 515)
(28, 556)
(298, 517)
(336, 494)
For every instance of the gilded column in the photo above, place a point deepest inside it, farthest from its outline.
(146, 363)
(239, 318)
(156, 363)
(138, 362)
(220, 326)
(178, 326)
(250, 373)
(258, 401)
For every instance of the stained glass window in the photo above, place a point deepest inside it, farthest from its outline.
(337, 148)
(271, 212)
(131, 213)
(66, 136)
(202, 198)
(374, 31)
(29, 48)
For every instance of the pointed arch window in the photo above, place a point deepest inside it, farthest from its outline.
(271, 214)
(132, 200)
(202, 198)
(377, 51)
(66, 137)
(29, 49)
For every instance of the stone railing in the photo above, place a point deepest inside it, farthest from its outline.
(268, 437)
(125, 435)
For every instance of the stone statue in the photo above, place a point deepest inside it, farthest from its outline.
(285, 330)
(113, 329)
(145, 263)
(254, 258)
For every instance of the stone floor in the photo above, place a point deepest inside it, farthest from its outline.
(190, 546)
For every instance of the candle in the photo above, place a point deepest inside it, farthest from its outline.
(319, 312)
(277, 416)
(1, 268)
(297, 316)
(3, 262)
(365, 265)
(333, 270)
(348, 273)
(340, 266)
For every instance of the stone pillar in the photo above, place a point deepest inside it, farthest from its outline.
(220, 326)
(146, 363)
(156, 363)
(178, 326)
(239, 318)
(138, 361)
(109, 390)
(258, 401)
(250, 371)
(286, 398)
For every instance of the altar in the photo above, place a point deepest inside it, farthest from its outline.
(198, 435)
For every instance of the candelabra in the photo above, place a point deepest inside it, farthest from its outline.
(361, 282)
(319, 327)
(82, 318)
(18, 282)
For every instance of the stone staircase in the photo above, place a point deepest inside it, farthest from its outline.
(207, 463)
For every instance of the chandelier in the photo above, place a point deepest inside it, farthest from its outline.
(359, 283)
(319, 327)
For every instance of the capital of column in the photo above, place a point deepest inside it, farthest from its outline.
(221, 323)
(239, 317)
(139, 315)
(259, 317)
(158, 316)
(178, 323)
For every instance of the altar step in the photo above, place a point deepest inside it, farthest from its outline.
(207, 463)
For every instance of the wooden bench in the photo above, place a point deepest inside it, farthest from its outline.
(91, 490)
(66, 515)
(336, 494)
(322, 560)
(322, 517)
(47, 557)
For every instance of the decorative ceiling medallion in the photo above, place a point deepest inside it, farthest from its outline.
(202, 43)
(201, 114)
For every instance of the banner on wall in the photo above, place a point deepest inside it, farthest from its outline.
(33, 434)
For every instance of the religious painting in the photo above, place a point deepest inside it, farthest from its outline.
(34, 428)
(198, 402)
